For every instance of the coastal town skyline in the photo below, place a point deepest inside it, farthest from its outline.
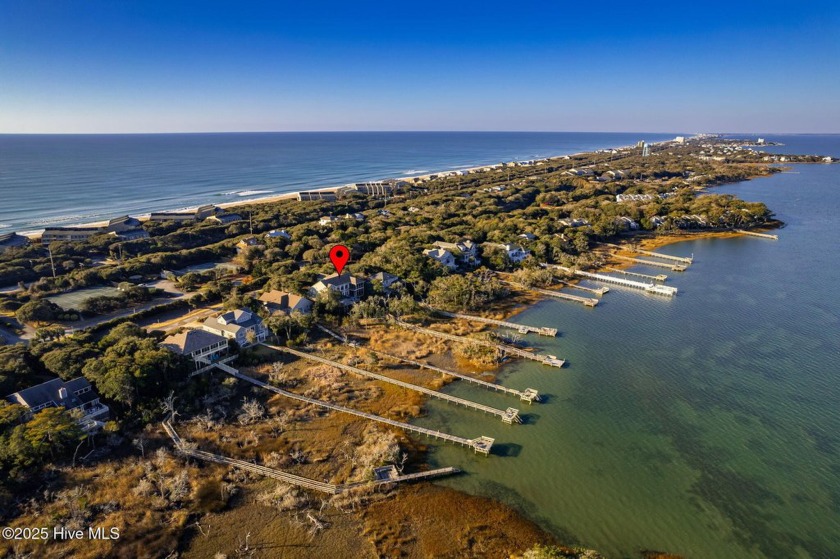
(147, 68)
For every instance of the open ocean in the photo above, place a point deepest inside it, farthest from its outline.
(707, 425)
(72, 179)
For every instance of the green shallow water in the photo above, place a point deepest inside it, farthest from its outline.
(705, 425)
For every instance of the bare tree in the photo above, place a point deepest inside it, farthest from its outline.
(251, 411)
(168, 404)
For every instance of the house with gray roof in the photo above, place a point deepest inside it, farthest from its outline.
(241, 325)
(74, 395)
(200, 346)
(352, 288)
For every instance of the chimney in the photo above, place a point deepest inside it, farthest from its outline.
(62, 393)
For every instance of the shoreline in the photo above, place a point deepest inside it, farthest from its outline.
(35, 234)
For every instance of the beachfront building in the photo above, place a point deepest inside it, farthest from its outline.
(465, 250)
(241, 325)
(282, 302)
(12, 240)
(443, 256)
(200, 346)
(74, 395)
(351, 288)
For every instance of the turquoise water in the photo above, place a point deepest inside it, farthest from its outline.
(705, 425)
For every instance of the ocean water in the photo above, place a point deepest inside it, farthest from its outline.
(706, 425)
(72, 179)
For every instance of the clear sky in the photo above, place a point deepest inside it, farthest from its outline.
(168, 66)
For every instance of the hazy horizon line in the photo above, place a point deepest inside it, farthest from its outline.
(411, 132)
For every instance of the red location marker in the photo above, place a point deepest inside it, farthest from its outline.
(339, 255)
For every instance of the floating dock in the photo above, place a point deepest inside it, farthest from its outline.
(681, 259)
(480, 444)
(386, 474)
(509, 416)
(757, 234)
(521, 328)
(550, 360)
(672, 267)
(659, 277)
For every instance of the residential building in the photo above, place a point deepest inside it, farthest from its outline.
(278, 234)
(351, 288)
(516, 253)
(70, 234)
(275, 301)
(74, 395)
(443, 256)
(574, 222)
(327, 220)
(626, 223)
(224, 218)
(389, 281)
(247, 243)
(528, 236)
(199, 345)
(465, 250)
(241, 325)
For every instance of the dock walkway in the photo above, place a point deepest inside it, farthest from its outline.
(672, 267)
(529, 395)
(659, 277)
(510, 415)
(757, 234)
(681, 259)
(479, 444)
(296, 480)
(544, 359)
(521, 328)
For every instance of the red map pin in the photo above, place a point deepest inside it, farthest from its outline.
(339, 255)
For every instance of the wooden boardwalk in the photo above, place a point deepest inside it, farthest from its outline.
(544, 359)
(510, 415)
(681, 259)
(596, 290)
(528, 395)
(300, 481)
(757, 234)
(588, 301)
(672, 267)
(479, 444)
(659, 277)
(521, 328)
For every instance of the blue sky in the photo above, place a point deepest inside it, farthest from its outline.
(149, 66)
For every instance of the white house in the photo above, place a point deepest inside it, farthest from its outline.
(465, 250)
(516, 253)
(241, 325)
(281, 234)
(352, 288)
(443, 256)
(327, 220)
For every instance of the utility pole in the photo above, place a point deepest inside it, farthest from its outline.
(52, 262)
(251, 221)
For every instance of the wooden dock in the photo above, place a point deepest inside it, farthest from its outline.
(383, 475)
(596, 290)
(681, 259)
(509, 416)
(672, 267)
(757, 234)
(652, 288)
(529, 395)
(479, 444)
(659, 277)
(589, 302)
(550, 360)
(521, 328)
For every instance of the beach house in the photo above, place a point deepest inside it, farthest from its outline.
(200, 346)
(282, 302)
(74, 395)
(241, 325)
(351, 288)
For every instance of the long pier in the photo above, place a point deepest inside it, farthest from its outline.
(544, 359)
(681, 259)
(596, 290)
(757, 234)
(392, 476)
(588, 301)
(647, 287)
(521, 328)
(659, 277)
(529, 395)
(509, 416)
(672, 267)
(479, 444)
